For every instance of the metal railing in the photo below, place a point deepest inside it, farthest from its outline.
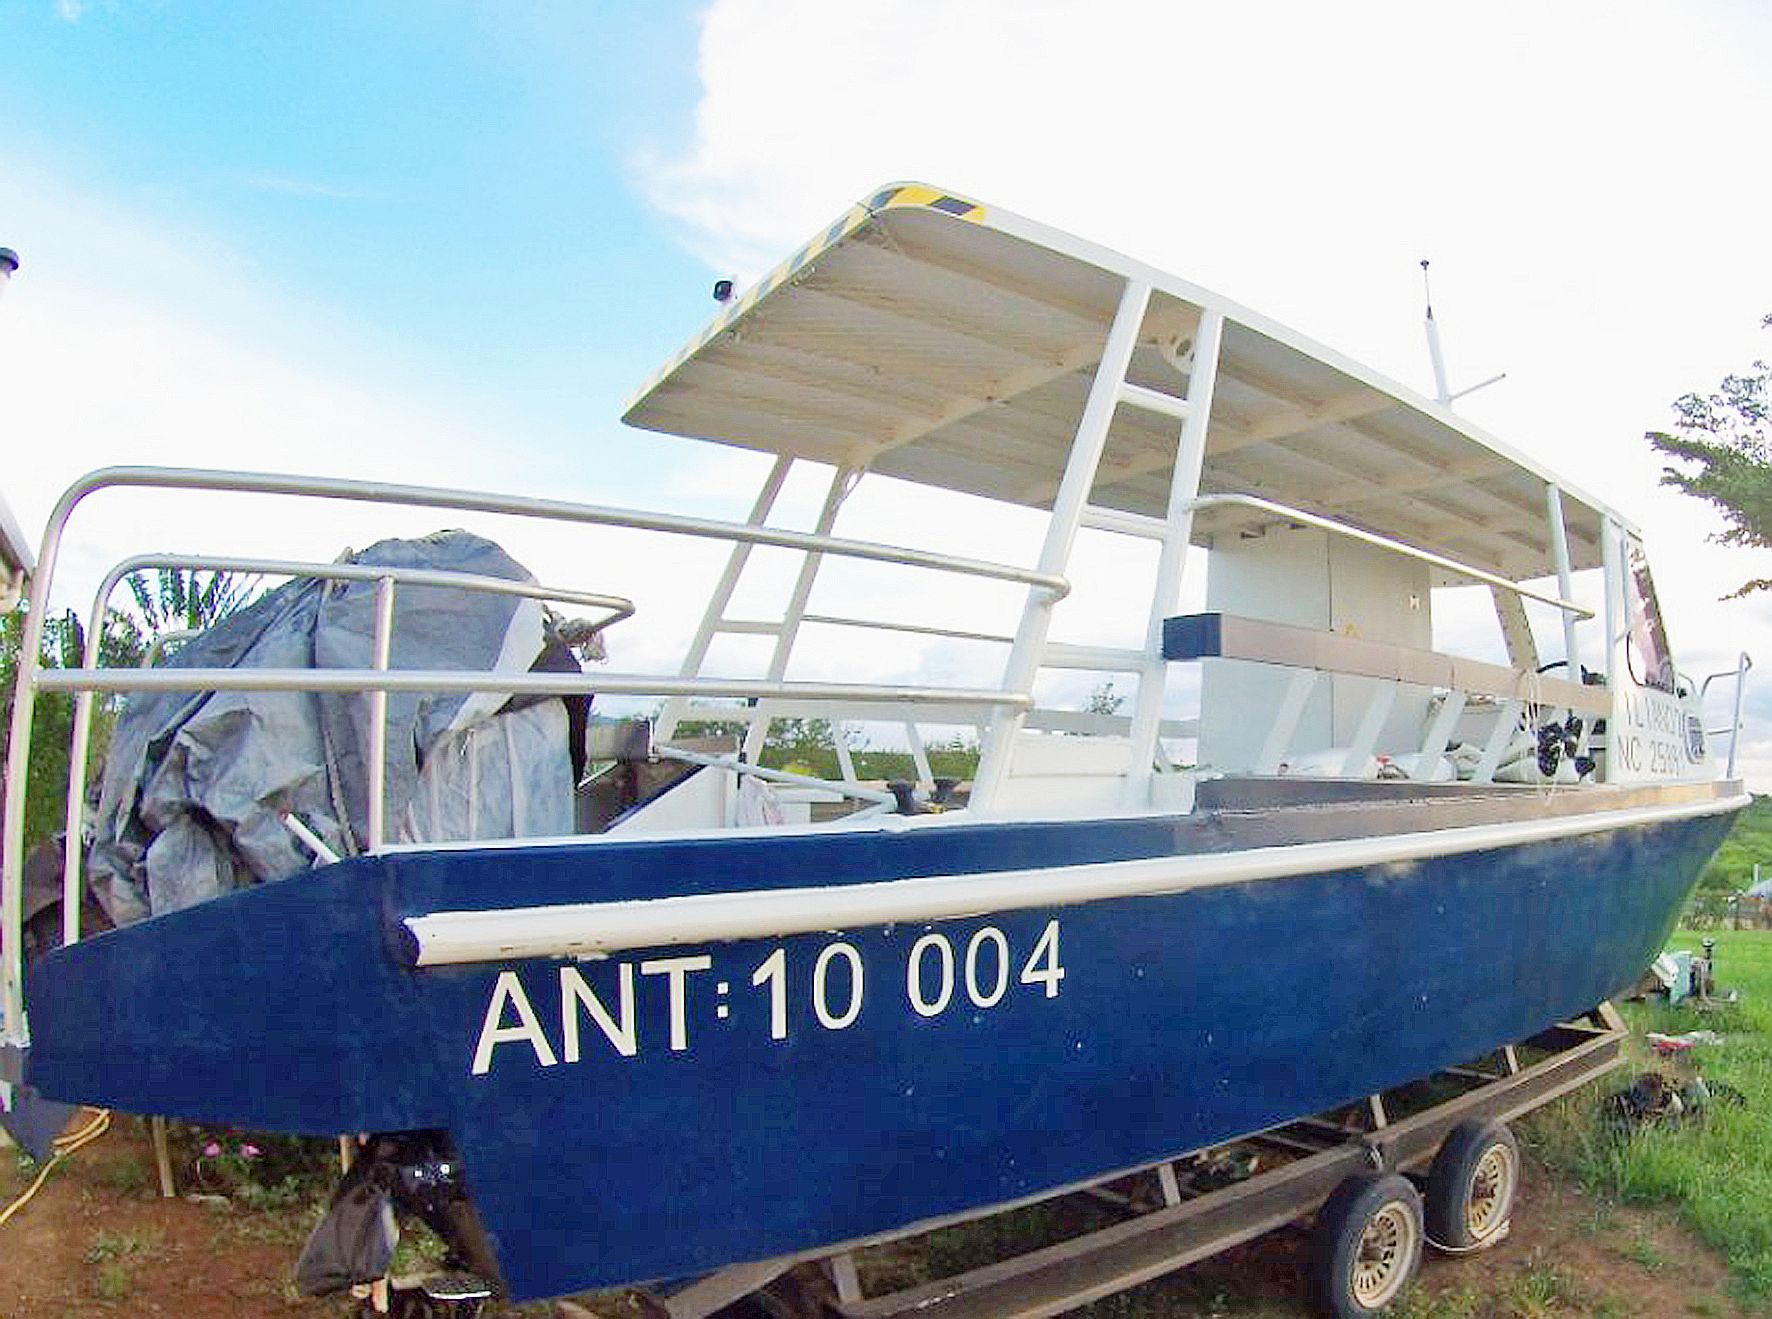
(1739, 673)
(378, 680)
(618, 609)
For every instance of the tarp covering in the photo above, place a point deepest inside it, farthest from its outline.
(196, 785)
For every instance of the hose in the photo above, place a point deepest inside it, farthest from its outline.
(63, 1146)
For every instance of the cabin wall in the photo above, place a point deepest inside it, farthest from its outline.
(1308, 578)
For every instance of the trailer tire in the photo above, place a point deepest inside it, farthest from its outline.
(1366, 1245)
(1471, 1187)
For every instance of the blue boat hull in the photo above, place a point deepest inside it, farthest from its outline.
(660, 1114)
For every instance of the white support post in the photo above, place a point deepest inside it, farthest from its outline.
(1516, 630)
(920, 754)
(1612, 571)
(722, 597)
(383, 647)
(1559, 534)
(1439, 733)
(1166, 1180)
(1507, 723)
(1061, 534)
(842, 482)
(1378, 709)
(1279, 737)
(845, 758)
(1184, 485)
(844, 1278)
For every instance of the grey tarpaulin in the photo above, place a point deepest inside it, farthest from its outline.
(196, 785)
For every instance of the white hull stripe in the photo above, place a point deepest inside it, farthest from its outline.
(591, 929)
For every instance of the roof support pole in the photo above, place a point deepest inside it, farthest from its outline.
(1184, 485)
(842, 482)
(1061, 535)
(1612, 569)
(722, 596)
(1559, 536)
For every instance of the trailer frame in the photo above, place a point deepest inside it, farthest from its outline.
(1184, 1229)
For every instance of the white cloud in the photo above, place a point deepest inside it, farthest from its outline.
(136, 342)
(70, 11)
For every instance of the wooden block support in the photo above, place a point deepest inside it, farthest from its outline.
(162, 1157)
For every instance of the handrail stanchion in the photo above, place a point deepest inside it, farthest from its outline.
(1742, 665)
(378, 714)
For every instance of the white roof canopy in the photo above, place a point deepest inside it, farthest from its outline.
(926, 337)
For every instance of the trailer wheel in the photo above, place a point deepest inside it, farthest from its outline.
(1470, 1190)
(1366, 1246)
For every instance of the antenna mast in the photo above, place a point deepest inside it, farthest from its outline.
(1443, 391)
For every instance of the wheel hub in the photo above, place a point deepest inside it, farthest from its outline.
(1383, 1262)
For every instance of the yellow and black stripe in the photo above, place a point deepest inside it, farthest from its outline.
(899, 195)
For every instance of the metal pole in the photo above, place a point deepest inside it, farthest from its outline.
(842, 482)
(1559, 535)
(1742, 665)
(378, 714)
(1184, 487)
(1061, 533)
(715, 613)
(1442, 391)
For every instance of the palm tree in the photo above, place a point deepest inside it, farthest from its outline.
(184, 600)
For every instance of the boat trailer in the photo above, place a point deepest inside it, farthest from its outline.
(1428, 1162)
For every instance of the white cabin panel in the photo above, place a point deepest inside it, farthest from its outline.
(704, 800)
(1306, 577)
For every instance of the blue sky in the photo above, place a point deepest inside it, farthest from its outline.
(448, 183)
(446, 242)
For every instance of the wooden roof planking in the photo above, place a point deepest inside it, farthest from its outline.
(927, 337)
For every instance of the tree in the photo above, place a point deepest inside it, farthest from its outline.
(173, 602)
(1104, 700)
(1726, 437)
(185, 600)
(52, 722)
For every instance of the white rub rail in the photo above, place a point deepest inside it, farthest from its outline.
(591, 929)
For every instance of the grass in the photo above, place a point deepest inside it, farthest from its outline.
(114, 1256)
(1715, 1173)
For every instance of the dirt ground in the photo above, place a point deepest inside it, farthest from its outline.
(98, 1241)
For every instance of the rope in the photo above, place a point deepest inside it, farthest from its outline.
(64, 1146)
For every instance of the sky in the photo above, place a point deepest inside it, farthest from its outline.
(446, 242)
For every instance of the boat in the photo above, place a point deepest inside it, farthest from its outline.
(750, 1012)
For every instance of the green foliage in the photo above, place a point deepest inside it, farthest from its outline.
(1750, 840)
(1104, 700)
(809, 746)
(1715, 1171)
(52, 724)
(115, 1255)
(1724, 438)
(178, 601)
(261, 1170)
(185, 600)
